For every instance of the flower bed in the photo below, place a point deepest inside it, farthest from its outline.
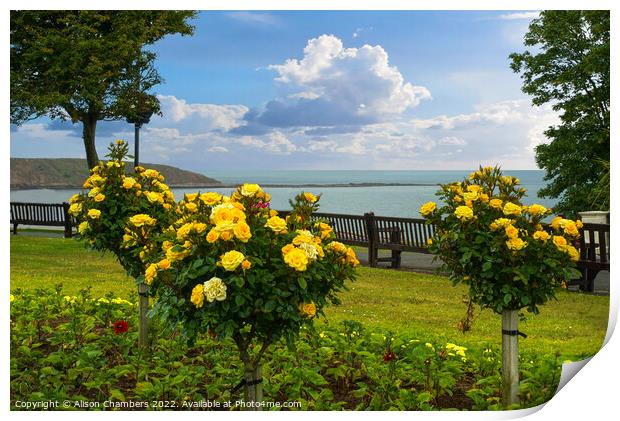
(80, 349)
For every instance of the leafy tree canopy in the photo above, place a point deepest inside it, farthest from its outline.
(71, 64)
(568, 67)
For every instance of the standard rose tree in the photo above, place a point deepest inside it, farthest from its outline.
(233, 267)
(113, 200)
(116, 201)
(499, 247)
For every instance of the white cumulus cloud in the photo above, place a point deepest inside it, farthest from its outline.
(204, 116)
(332, 86)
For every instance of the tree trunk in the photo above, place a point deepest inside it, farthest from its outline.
(136, 145)
(253, 390)
(88, 135)
(510, 358)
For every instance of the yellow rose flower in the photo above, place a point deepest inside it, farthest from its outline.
(222, 213)
(83, 227)
(212, 236)
(242, 232)
(570, 228)
(215, 289)
(246, 264)
(75, 209)
(128, 182)
(337, 246)
(150, 273)
(100, 197)
(184, 231)
(560, 242)
(325, 230)
(572, 252)
(249, 190)
(428, 208)
(303, 236)
(190, 197)
(537, 210)
(231, 260)
(198, 296)
(512, 209)
(464, 213)
(163, 264)
(150, 173)
(74, 198)
(297, 259)
(511, 231)
(141, 219)
(309, 197)
(470, 196)
(211, 198)
(541, 235)
(191, 207)
(276, 224)
(307, 309)
(579, 224)
(516, 244)
(496, 203)
(94, 213)
(287, 248)
(351, 258)
(484, 198)
(199, 227)
(555, 222)
(154, 197)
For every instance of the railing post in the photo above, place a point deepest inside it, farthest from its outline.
(68, 222)
(371, 230)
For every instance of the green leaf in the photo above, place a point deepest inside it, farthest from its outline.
(302, 283)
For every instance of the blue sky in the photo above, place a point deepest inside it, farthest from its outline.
(330, 90)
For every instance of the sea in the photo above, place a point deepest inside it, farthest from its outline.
(393, 193)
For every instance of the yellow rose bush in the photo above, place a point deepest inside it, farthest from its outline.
(231, 266)
(119, 211)
(497, 246)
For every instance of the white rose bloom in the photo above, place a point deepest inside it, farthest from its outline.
(310, 250)
(215, 289)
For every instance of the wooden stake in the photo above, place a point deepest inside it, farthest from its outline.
(510, 358)
(143, 301)
(253, 391)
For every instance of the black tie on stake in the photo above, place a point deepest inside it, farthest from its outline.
(244, 382)
(513, 333)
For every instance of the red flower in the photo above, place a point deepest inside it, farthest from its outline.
(262, 205)
(120, 326)
(389, 356)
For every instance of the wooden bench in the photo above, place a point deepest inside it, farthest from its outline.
(379, 233)
(593, 246)
(43, 214)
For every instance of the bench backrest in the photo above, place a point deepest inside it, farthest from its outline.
(52, 214)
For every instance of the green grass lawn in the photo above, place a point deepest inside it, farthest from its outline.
(427, 306)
